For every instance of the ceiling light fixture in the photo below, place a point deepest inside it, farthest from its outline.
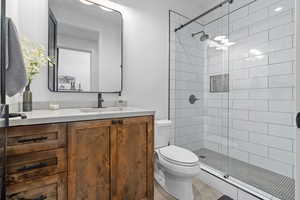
(224, 41)
(255, 52)
(222, 48)
(228, 44)
(86, 2)
(105, 9)
(278, 9)
(260, 57)
(220, 38)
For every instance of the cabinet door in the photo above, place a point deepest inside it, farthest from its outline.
(132, 159)
(89, 160)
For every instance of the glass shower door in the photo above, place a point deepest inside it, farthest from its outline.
(214, 154)
(239, 63)
(262, 99)
(199, 70)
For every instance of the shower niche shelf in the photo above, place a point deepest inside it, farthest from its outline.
(219, 83)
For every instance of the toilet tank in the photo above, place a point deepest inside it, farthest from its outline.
(163, 131)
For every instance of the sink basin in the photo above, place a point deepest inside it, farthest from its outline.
(99, 110)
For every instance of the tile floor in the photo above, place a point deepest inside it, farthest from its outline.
(275, 184)
(201, 192)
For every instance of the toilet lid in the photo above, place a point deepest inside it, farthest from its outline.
(179, 155)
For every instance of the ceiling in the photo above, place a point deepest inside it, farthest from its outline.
(194, 3)
(82, 9)
(189, 8)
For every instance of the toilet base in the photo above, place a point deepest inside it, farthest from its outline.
(181, 189)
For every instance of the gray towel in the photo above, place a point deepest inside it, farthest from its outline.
(16, 78)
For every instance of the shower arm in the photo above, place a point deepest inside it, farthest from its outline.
(194, 34)
(203, 14)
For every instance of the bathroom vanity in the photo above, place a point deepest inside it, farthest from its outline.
(81, 154)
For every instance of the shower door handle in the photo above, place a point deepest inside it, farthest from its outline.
(298, 120)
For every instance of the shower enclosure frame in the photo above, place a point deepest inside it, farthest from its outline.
(297, 34)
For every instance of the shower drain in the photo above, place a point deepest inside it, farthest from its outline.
(202, 157)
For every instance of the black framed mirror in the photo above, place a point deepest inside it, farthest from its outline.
(85, 46)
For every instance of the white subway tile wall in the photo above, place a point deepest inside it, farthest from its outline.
(254, 122)
(186, 76)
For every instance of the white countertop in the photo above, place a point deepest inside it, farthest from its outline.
(71, 115)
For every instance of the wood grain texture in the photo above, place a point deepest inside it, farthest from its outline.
(51, 187)
(89, 160)
(27, 139)
(104, 159)
(132, 159)
(27, 167)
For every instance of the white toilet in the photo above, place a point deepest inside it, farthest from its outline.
(175, 167)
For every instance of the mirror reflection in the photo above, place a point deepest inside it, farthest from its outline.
(70, 79)
(85, 40)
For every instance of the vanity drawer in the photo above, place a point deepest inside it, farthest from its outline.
(27, 139)
(47, 188)
(27, 167)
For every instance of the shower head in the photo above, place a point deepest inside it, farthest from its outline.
(203, 37)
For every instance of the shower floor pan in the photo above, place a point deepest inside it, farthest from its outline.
(272, 183)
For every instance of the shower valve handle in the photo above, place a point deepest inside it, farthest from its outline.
(298, 120)
(193, 99)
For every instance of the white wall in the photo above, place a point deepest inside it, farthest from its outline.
(187, 70)
(146, 31)
(145, 51)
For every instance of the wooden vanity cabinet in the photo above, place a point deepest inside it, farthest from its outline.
(90, 160)
(111, 159)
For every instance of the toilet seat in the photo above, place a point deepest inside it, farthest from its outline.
(179, 156)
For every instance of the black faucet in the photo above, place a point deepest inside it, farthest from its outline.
(100, 100)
